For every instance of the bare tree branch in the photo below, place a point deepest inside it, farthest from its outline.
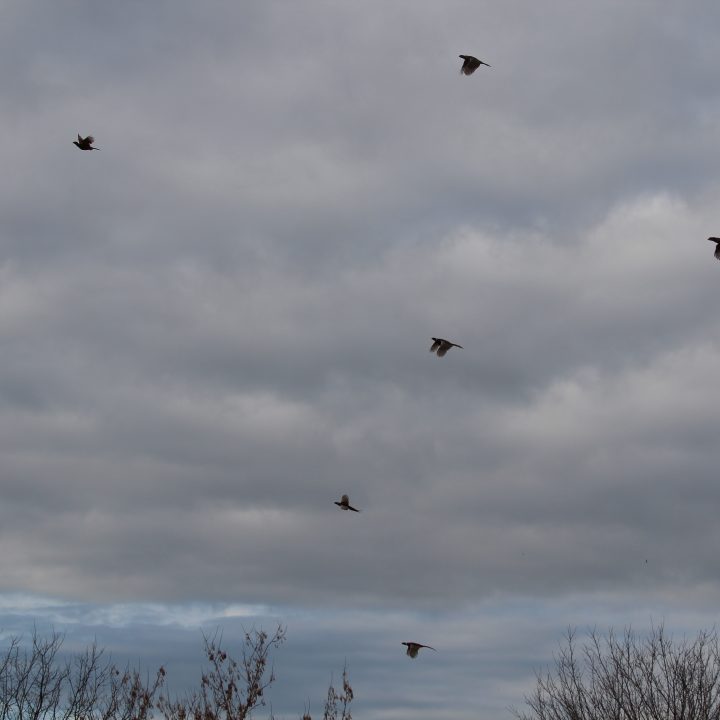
(630, 678)
(36, 684)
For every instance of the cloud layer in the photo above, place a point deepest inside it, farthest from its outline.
(219, 324)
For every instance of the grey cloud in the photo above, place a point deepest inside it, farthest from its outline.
(173, 431)
(217, 325)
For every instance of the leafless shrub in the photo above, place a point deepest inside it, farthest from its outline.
(630, 677)
(37, 684)
(336, 701)
(229, 689)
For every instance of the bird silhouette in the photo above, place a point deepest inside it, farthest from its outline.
(441, 346)
(85, 143)
(717, 246)
(344, 504)
(470, 64)
(413, 648)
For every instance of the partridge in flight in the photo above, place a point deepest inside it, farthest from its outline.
(85, 143)
(413, 648)
(470, 64)
(441, 346)
(717, 246)
(344, 504)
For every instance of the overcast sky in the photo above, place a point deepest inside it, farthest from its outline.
(220, 323)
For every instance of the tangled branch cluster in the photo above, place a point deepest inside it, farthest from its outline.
(36, 684)
(631, 678)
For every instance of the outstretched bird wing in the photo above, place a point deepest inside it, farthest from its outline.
(413, 648)
(717, 246)
(470, 64)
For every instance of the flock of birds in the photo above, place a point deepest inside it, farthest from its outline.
(413, 648)
(440, 346)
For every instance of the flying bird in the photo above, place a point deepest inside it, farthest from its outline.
(413, 648)
(470, 64)
(441, 346)
(344, 504)
(717, 246)
(85, 143)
